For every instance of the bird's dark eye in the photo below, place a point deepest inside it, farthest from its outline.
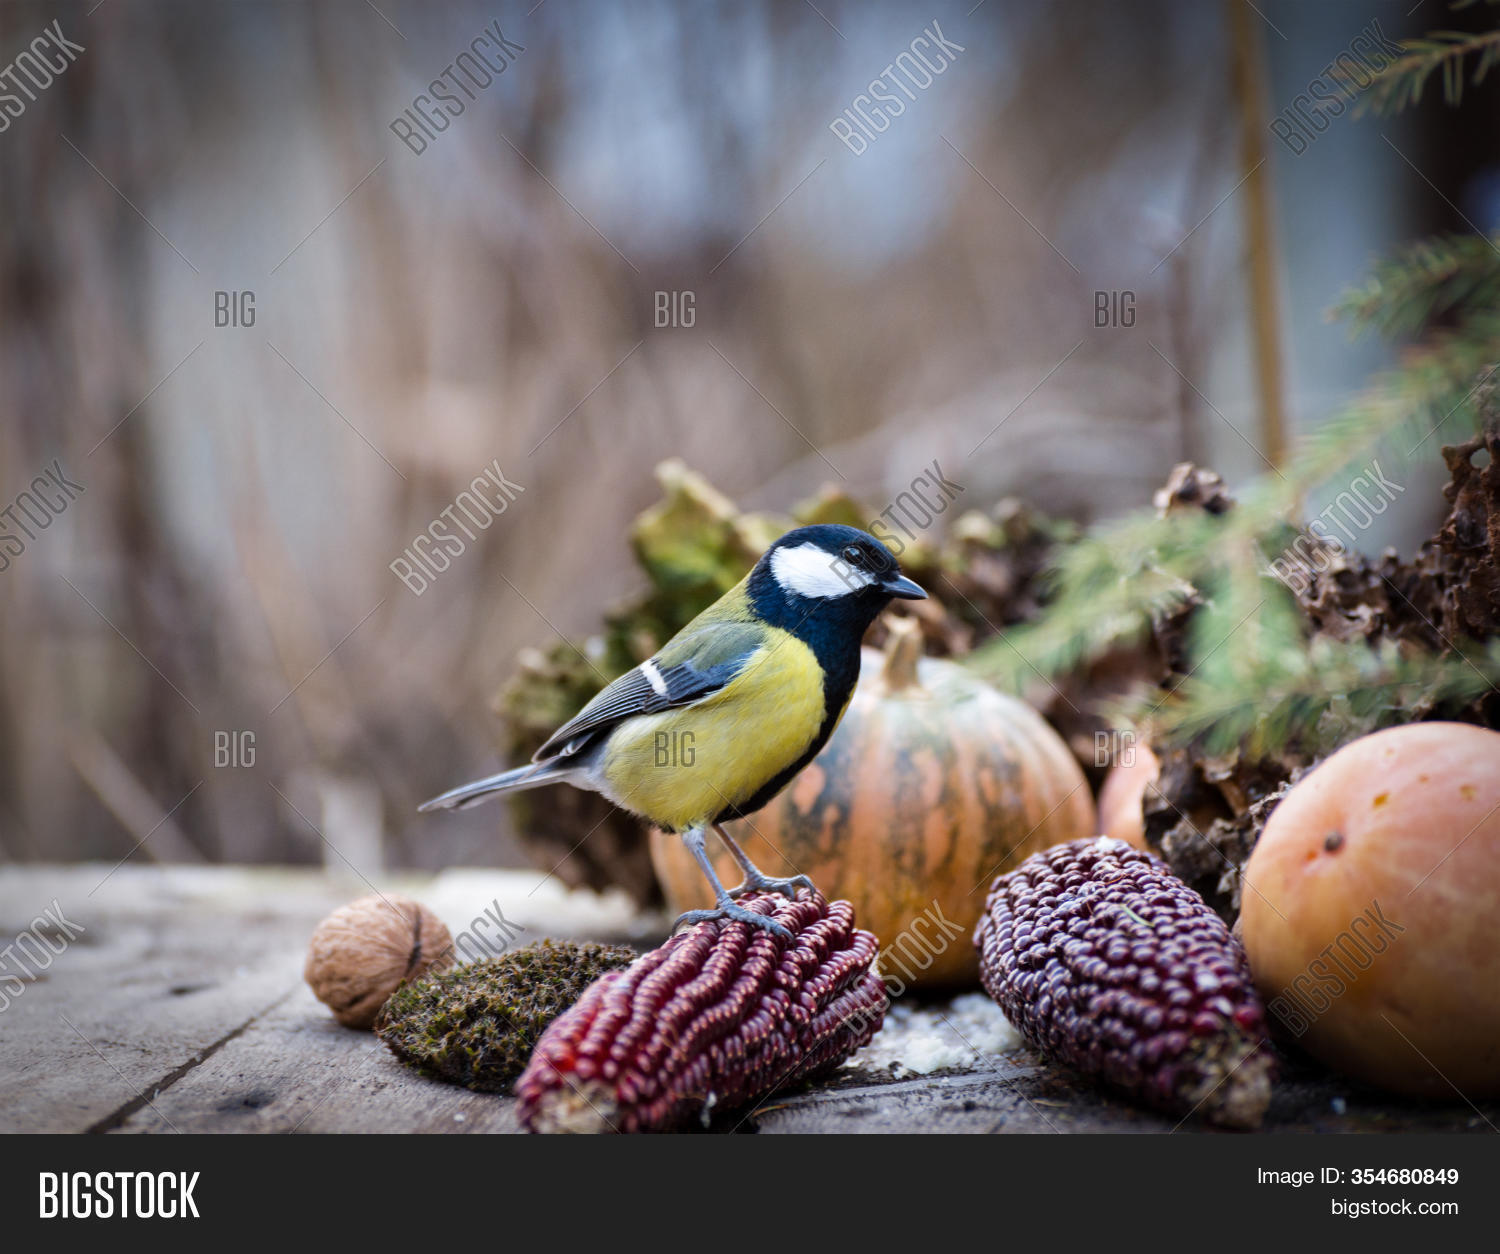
(853, 555)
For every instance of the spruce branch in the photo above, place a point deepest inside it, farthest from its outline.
(1106, 590)
(1448, 276)
(1400, 84)
(1319, 697)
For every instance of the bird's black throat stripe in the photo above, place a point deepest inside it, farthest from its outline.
(833, 628)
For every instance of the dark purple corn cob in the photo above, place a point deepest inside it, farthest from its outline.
(720, 1016)
(1107, 962)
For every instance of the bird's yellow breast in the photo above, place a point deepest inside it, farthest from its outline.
(682, 767)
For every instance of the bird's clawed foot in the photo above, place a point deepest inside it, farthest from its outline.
(726, 909)
(755, 882)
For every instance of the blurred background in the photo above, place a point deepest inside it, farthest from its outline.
(269, 330)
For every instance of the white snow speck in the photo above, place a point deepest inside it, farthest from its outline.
(961, 1035)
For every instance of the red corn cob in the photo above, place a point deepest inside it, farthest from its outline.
(1107, 962)
(719, 1016)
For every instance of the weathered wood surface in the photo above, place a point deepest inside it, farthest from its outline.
(181, 1008)
(181, 1005)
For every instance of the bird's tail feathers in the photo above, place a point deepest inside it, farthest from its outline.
(532, 775)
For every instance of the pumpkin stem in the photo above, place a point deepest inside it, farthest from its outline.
(903, 650)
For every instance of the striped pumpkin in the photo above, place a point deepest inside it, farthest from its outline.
(933, 784)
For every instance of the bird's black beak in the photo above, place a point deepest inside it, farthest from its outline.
(903, 588)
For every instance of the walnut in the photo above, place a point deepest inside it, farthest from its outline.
(361, 952)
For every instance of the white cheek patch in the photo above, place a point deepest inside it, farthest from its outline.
(808, 571)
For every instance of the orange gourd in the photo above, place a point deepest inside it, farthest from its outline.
(1122, 798)
(1371, 911)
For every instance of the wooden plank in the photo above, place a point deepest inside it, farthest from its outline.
(177, 964)
(296, 1070)
(998, 1096)
(162, 971)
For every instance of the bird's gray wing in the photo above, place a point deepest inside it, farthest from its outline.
(698, 667)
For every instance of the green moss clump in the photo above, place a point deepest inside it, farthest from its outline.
(476, 1024)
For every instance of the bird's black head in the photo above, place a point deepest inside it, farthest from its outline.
(827, 580)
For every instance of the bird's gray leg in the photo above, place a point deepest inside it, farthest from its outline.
(724, 906)
(755, 880)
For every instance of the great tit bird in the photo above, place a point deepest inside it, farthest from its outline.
(732, 707)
